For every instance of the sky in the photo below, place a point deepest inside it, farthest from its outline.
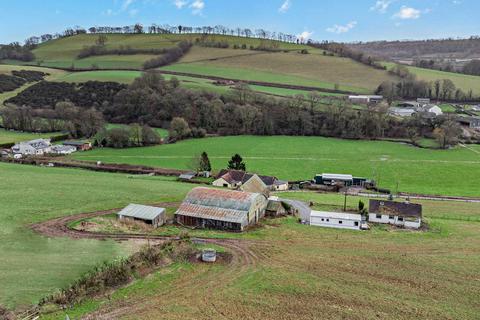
(339, 20)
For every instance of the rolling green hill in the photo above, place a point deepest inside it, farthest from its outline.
(285, 66)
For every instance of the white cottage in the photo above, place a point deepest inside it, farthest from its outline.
(404, 214)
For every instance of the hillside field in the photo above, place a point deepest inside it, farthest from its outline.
(301, 272)
(300, 158)
(33, 266)
(462, 81)
(7, 136)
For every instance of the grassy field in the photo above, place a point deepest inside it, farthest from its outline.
(415, 170)
(462, 81)
(7, 136)
(325, 70)
(301, 272)
(62, 53)
(33, 266)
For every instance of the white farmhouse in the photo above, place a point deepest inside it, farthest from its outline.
(36, 147)
(339, 220)
(404, 214)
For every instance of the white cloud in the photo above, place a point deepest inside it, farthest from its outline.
(197, 6)
(285, 6)
(305, 35)
(457, 2)
(408, 13)
(382, 5)
(180, 3)
(126, 4)
(342, 29)
(133, 12)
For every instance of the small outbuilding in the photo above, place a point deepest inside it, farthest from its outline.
(154, 216)
(80, 145)
(221, 209)
(275, 208)
(339, 220)
(403, 214)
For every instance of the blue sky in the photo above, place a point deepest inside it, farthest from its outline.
(340, 20)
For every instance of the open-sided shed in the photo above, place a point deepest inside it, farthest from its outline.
(150, 215)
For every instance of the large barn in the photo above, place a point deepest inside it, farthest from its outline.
(221, 209)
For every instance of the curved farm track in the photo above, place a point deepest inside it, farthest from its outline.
(210, 304)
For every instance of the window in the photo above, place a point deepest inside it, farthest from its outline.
(356, 224)
(378, 216)
(400, 218)
(340, 222)
(225, 185)
(328, 220)
(323, 219)
(391, 217)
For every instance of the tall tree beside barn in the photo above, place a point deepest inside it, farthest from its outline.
(237, 163)
(205, 162)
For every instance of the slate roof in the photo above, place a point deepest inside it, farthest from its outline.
(402, 209)
(236, 176)
(141, 212)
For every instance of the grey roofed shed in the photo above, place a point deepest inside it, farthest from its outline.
(151, 215)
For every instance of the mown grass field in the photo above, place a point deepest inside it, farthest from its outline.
(33, 266)
(302, 272)
(446, 172)
(462, 81)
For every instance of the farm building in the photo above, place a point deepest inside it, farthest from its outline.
(80, 145)
(150, 215)
(37, 147)
(408, 104)
(431, 108)
(280, 185)
(62, 149)
(332, 179)
(336, 220)
(255, 185)
(404, 214)
(221, 209)
(423, 100)
(187, 176)
(401, 112)
(234, 179)
(365, 99)
(471, 122)
(275, 208)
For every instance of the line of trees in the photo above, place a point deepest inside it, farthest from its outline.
(15, 51)
(134, 135)
(151, 100)
(170, 55)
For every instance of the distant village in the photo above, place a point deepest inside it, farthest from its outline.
(423, 107)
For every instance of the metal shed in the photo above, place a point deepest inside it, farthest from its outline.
(150, 215)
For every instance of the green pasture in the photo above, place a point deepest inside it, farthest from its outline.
(7, 136)
(33, 266)
(446, 172)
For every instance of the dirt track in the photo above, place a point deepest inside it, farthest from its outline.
(244, 256)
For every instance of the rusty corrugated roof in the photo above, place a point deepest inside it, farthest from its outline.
(214, 213)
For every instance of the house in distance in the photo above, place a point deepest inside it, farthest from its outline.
(404, 214)
(234, 179)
